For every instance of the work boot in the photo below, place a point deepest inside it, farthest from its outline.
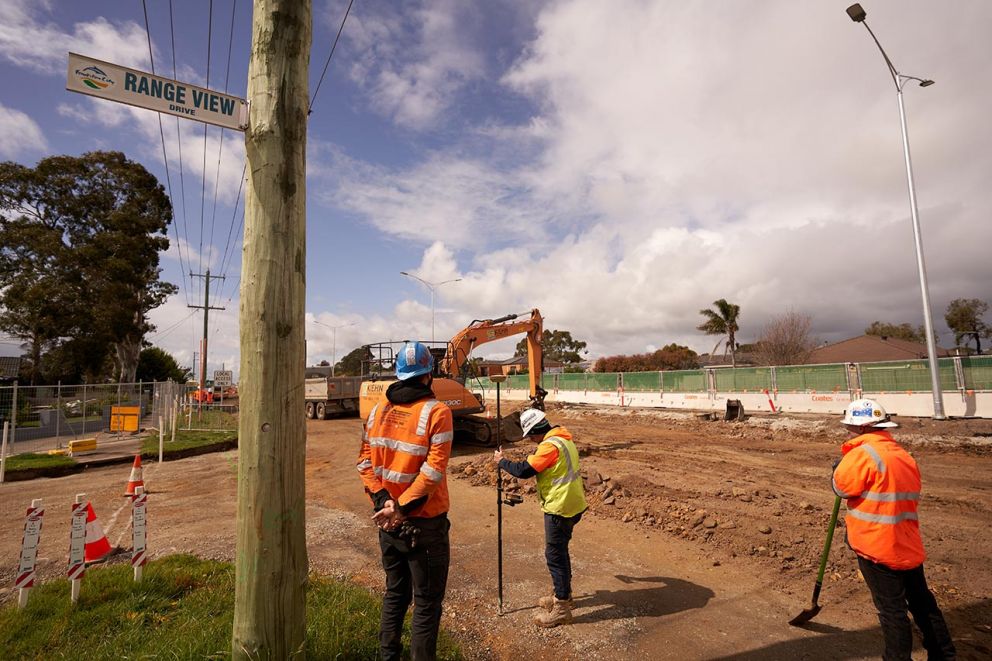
(560, 613)
(548, 602)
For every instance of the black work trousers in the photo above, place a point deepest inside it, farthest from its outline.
(894, 592)
(557, 535)
(420, 573)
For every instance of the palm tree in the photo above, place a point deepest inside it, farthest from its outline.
(722, 321)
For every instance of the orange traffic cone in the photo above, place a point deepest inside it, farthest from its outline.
(97, 545)
(135, 479)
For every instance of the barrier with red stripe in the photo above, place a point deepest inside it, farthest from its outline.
(138, 555)
(29, 551)
(77, 540)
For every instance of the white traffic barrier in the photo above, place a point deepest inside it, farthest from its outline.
(29, 552)
(77, 545)
(138, 555)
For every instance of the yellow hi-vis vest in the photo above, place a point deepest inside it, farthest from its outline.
(560, 486)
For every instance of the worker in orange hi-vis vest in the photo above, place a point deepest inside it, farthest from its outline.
(405, 449)
(881, 483)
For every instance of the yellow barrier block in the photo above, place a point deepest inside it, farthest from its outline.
(82, 445)
(55, 452)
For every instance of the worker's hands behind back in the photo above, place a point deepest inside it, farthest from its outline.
(389, 517)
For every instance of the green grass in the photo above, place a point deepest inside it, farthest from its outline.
(184, 440)
(182, 609)
(30, 460)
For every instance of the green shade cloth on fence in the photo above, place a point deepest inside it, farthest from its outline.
(572, 381)
(602, 381)
(977, 372)
(906, 375)
(801, 378)
(642, 381)
(684, 381)
(743, 378)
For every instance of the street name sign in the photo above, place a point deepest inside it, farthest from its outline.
(104, 80)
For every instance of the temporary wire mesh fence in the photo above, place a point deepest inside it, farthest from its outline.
(43, 418)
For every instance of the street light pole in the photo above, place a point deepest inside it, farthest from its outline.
(334, 340)
(858, 15)
(431, 286)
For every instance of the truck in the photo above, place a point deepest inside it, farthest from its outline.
(328, 395)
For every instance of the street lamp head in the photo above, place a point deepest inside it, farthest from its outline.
(926, 83)
(404, 273)
(857, 13)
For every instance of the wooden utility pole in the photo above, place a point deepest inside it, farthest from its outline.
(270, 602)
(206, 312)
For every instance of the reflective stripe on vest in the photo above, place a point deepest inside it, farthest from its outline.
(395, 476)
(571, 475)
(425, 414)
(364, 465)
(442, 437)
(890, 519)
(393, 444)
(877, 458)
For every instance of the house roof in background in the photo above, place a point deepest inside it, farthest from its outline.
(871, 348)
(10, 366)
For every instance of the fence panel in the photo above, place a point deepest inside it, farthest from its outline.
(642, 381)
(684, 381)
(602, 381)
(572, 381)
(977, 372)
(743, 378)
(800, 378)
(906, 375)
(518, 381)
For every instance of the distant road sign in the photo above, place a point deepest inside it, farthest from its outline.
(144, 90)
(223, 377)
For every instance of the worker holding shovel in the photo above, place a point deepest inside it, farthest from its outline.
(559, 487)
(881, 483)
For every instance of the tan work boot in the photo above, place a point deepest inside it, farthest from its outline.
(560, 613)
(548, 602)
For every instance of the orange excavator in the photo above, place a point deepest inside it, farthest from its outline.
(453, 374)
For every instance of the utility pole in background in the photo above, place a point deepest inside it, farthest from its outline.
(206, 312)
(271, 566)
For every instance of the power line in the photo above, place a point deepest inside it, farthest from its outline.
(165, 160)
(203, 185)
(227, 245)
(329, 56)
(179, 140)
(220, 148)
(161, 334)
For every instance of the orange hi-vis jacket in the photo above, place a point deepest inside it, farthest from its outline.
(881, 483)
(405, 450)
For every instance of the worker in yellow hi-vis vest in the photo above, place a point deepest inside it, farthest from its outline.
(559, 487)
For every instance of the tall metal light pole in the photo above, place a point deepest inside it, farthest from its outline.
(858, 15)
(334, 340)
(431, 286)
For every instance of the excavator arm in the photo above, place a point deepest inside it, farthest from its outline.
(480, 332)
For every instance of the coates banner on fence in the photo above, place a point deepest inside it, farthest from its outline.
(114, 82)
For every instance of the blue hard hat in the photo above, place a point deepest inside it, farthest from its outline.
(413, 360)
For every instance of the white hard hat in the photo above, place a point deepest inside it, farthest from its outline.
(867, 413)
(530, 419)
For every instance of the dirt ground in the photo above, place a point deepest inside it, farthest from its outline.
(701, 541)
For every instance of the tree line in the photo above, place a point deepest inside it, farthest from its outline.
(80, 238)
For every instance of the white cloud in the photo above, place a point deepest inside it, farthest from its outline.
(21, 134)
(30, 39)
(413, 63)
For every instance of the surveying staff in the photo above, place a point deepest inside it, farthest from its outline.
(559, 487)
(404, 456)
(881, 483)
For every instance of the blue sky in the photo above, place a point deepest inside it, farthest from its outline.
(617, 165)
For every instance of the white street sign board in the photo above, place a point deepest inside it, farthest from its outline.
(144, 90)
(223, 377)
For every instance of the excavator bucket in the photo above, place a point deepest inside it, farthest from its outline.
(510, 430)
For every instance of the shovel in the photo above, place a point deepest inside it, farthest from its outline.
(814, 608)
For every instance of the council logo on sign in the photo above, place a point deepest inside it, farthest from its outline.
(94, 78)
